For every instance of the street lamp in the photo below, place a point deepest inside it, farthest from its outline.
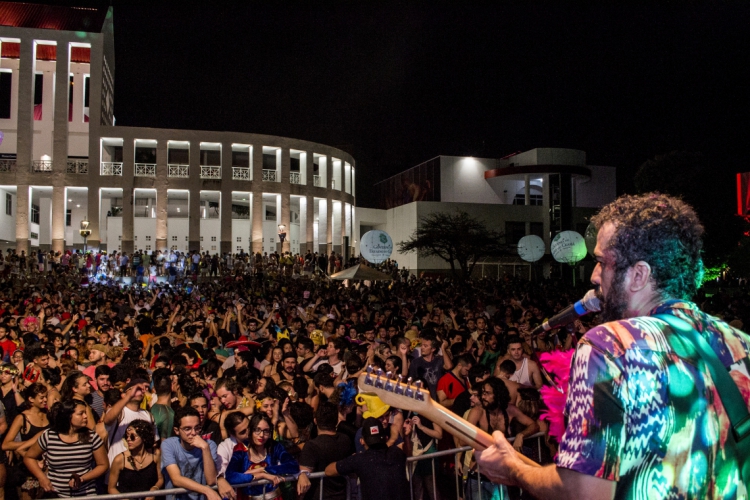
(85, 232)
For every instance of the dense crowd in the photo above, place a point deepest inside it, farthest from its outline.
(249, 375)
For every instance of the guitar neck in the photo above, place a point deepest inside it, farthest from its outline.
(462, 429)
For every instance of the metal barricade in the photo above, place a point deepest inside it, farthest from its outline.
(410, 464)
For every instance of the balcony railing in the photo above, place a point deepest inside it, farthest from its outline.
(145, 170)
(7, 165)
(333, 183)
(77, 167)
(241, 173)
(41, 166)
(271, 217)
(210, 172)
(269, 175)
(111, 168)
(178, 170)
(317, 181)
(295, 178)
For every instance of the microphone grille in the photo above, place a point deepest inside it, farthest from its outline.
(591, 301)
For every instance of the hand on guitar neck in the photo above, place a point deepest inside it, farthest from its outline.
(412, 397)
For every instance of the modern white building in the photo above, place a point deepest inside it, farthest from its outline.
(541, 191)
(63, 159)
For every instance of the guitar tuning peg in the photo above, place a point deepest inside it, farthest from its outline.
(389, 382)
(418, 395)
(409, 392)
(399, 389)
(378, 380)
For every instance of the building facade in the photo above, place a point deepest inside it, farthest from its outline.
(63, 160)
(541, 191)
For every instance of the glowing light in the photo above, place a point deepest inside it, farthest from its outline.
(681, 384)
(712, 273)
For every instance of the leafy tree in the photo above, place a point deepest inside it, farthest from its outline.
(455, 237)
(691, 177)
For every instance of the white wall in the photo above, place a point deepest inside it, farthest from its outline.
(72, 236)
(114, 232)
(210, 228)
(241, 229)
(177, 228)
(33, 228)
(462, 180)
(144, 234)
(599, 190)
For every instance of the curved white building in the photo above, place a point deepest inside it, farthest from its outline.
(62, 159)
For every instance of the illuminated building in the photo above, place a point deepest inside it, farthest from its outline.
(541, 191)
(63, 159)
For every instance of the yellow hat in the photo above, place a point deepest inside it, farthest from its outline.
(375, 407)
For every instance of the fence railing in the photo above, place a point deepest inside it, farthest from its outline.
(41, 166)
(295, 178)
(208, 172)
(269, 175)
(317, 181)
(410, 464)
(77, 167)
(145, 170)
(111, 168)
(178, 170)
(7, 165)
(241, 173)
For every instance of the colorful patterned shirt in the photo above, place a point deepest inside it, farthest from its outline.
(640, 415)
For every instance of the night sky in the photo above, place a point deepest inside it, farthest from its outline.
(396, 84)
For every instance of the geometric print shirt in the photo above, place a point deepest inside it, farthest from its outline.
(639, 414)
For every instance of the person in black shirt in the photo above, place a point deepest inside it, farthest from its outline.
(329, 447)
(381, 469)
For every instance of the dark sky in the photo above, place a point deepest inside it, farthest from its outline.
(399, 83)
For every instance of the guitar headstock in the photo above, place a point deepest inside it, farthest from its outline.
(394, 391)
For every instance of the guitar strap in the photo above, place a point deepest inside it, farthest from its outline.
(682, 333)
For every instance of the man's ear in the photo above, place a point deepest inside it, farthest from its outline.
(640, 276)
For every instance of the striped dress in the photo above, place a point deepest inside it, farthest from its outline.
(65, 459)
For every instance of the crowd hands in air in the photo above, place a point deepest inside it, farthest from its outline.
(114, 389)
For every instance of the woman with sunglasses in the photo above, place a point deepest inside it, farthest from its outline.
(138, 468)
(10, 393)
(260, 458)
(75, 454)
(29, 424)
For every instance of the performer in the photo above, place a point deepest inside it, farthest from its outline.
(643, 422)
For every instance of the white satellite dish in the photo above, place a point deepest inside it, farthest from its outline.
(531, 248)
(568, 247)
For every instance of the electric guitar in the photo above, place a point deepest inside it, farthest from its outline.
(413, 397)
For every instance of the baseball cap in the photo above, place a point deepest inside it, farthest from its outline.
(373, 433)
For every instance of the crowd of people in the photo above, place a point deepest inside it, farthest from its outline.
(251, 376)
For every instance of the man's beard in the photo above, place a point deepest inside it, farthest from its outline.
(489, 406)
(616, 302)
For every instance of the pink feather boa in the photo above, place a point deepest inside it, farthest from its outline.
(557, 364)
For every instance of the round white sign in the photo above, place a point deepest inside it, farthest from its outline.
(376, 246)
(568, 247)
(531, 248)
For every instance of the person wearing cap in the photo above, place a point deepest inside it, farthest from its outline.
(381, 469)
(127, 409)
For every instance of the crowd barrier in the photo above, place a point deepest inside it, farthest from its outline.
(456, 452)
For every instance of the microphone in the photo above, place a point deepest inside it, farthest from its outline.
(588, 304)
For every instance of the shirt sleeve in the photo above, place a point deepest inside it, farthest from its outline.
(43, 440)
(96, 441)
(349, 465)
(595, 435)
(167, 453)
(307, 457)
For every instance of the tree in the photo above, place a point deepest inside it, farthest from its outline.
(457, 238)
(691, 177)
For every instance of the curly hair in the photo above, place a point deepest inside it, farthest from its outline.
(664, 232)
(146, 431)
